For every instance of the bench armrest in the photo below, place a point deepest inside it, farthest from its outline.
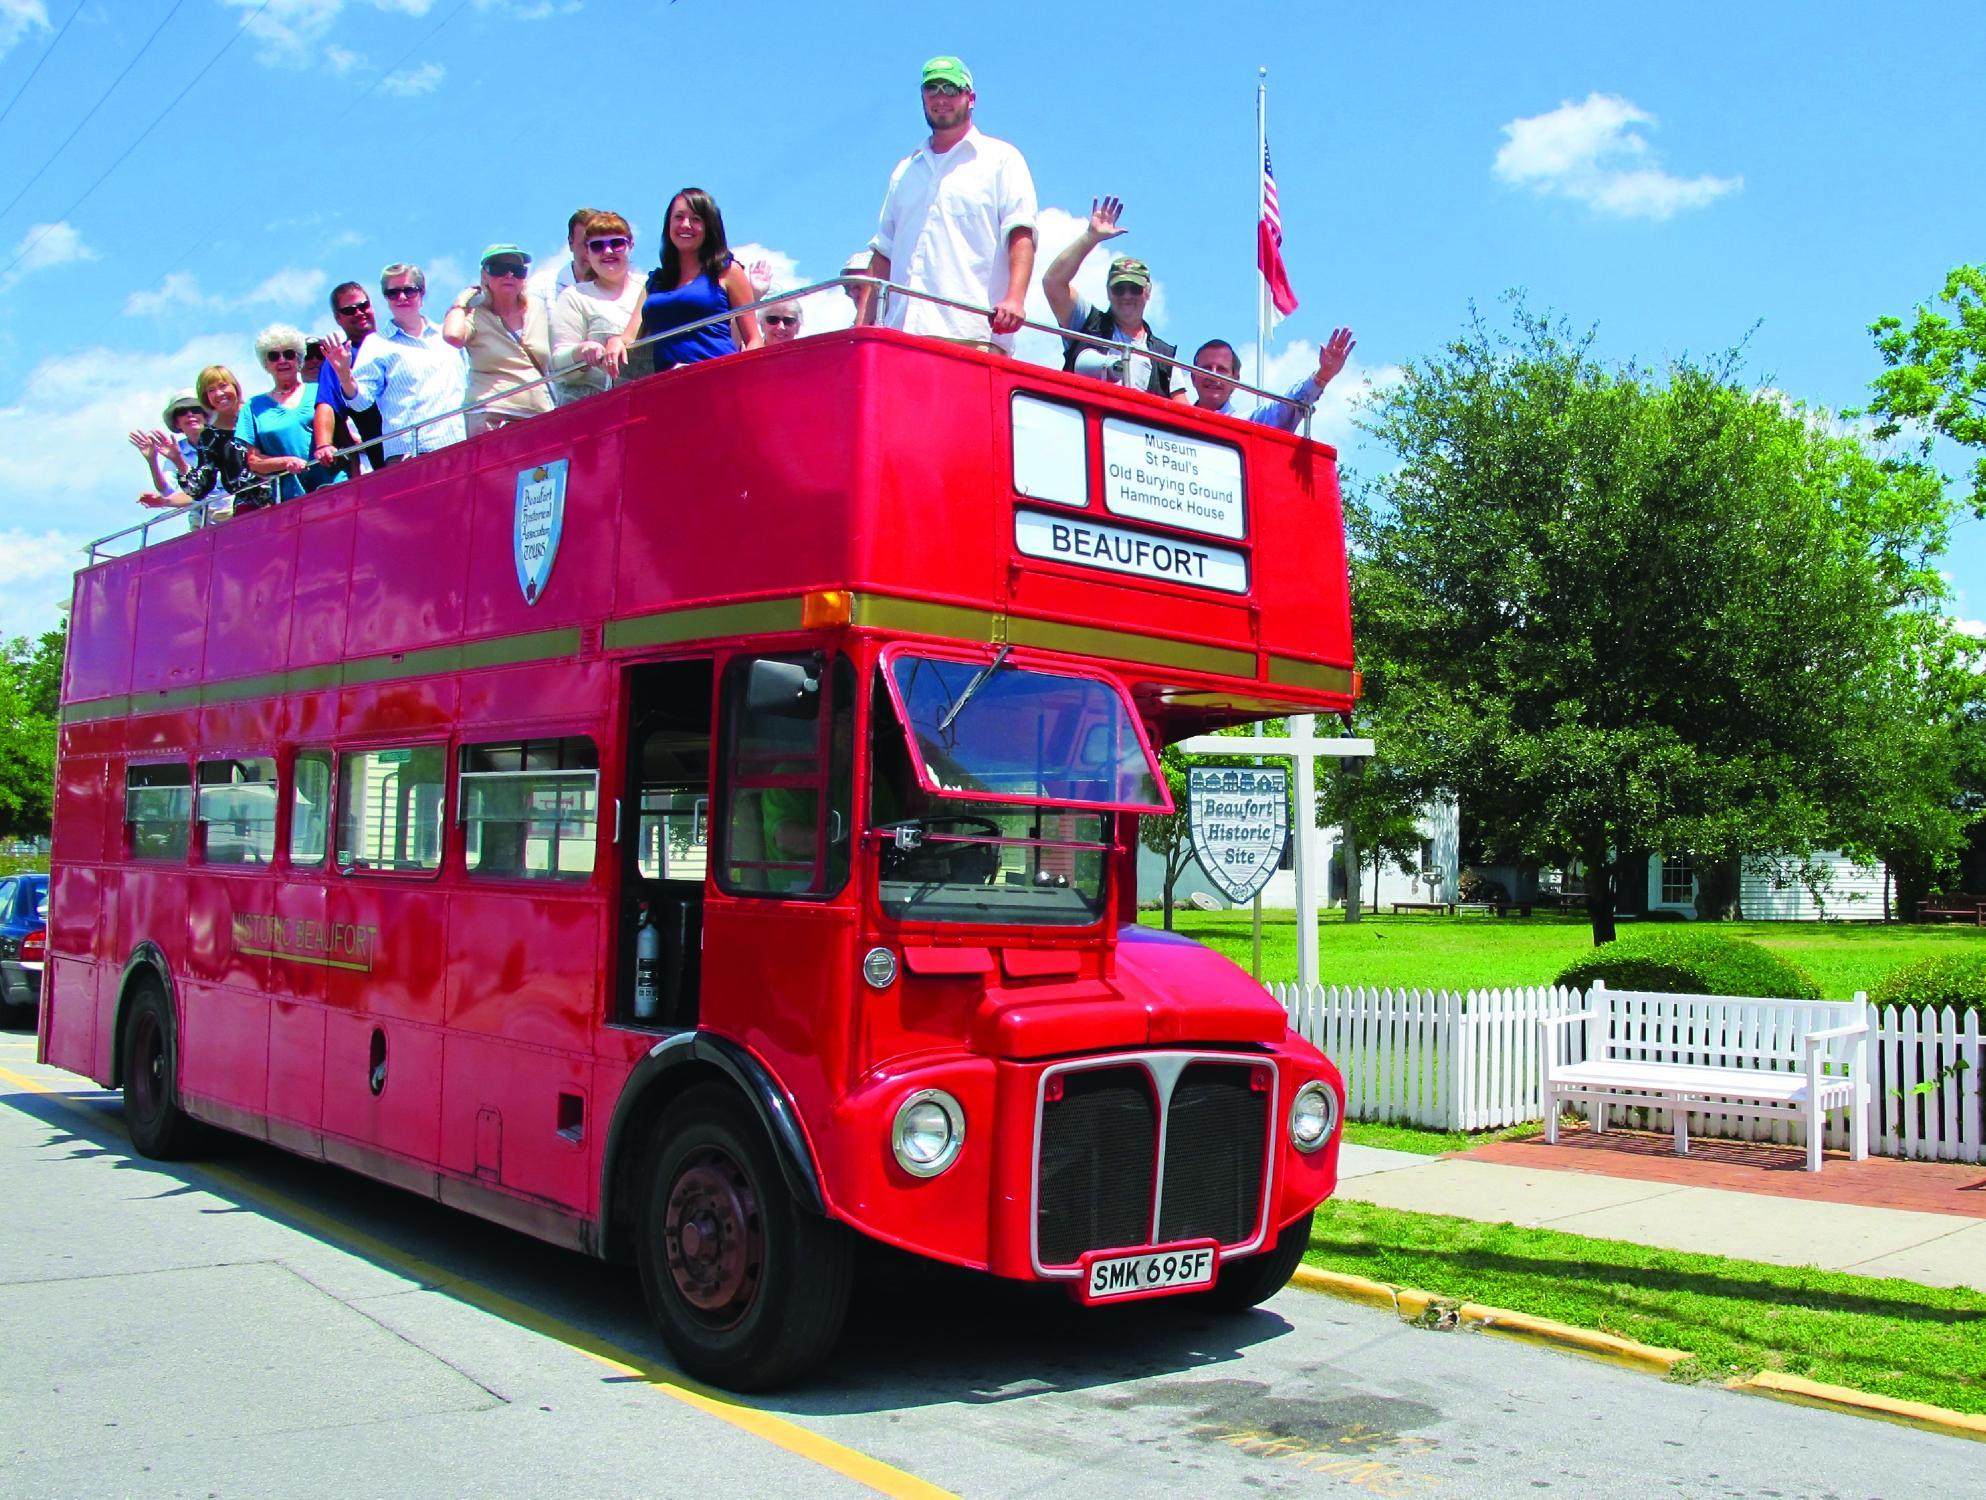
(1814, 1038)
(1577, 1015)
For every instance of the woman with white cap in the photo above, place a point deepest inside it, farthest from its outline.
(507, 334)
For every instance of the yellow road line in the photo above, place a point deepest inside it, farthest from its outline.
(800, 1441)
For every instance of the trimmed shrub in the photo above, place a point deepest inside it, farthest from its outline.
(1954, 979)
(1690, 961)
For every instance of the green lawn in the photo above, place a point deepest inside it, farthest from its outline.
(1736, 1317)
(1484, 952)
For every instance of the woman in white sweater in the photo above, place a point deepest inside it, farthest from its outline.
(589, 313)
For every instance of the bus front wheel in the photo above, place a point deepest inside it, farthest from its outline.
(749, 1288)
(1256, 1278)
(159, 1127)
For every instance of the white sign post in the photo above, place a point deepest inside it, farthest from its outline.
(1303, 747)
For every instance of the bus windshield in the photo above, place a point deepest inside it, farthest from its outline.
(996, 733)
(964, 859)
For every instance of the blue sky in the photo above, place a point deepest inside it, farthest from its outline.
(1683, 175)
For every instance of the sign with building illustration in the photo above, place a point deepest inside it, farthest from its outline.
(1240, 820)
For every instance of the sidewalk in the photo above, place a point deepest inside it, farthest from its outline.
(1922, 1221)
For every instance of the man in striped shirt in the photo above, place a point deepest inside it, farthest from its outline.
(407, 370)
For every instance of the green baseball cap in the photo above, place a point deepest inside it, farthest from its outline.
(948, 70)
(1125, 268)
(511, 250)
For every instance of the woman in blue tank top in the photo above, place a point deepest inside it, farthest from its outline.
(697, 279)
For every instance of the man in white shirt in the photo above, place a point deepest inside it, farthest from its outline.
(1223, 367)
(406, 369)
(958, 222)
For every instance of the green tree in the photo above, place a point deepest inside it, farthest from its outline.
(1624, 613)
(1169, 835)
(1935, 380)
(30, 692)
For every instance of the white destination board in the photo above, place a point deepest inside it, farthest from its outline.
(1240, 819)
(1118, 549)
(1150, 474)
(1051, 451)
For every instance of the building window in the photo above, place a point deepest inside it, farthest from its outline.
(1678, 880)
(389, 808)
(158, 806)
(237, 811)
(530, 808)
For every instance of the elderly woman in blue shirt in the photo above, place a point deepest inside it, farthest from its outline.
(276, 425)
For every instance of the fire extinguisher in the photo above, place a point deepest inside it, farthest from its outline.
(647, 954)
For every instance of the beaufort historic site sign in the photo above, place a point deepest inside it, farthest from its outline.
(1240, 818)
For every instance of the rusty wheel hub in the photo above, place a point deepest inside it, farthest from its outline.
(714, 1236)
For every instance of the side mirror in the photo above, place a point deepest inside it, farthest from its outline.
(785, 689)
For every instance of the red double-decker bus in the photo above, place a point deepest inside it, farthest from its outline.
(698, 826)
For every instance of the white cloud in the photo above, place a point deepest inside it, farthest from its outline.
(179, 289)
(411, 83)
(1592, 153)
(290, 287)
(17, 19)
(293, 33)
(65, 460)
(44, 246)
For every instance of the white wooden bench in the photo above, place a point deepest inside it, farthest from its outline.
(1713, 1054)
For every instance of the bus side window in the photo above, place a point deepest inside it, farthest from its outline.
(158, 806)
(310, 807)
(236, 810)
(390, 807)
(529, 809)
(786, 768)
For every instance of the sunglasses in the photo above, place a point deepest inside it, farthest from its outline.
(945, 90)
(507, 268)
(780, 320)
(351, 309)
(610, 246)
(394, 293)
(1125, 289)
(275, 354)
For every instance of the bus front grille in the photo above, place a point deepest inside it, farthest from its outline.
(1099, 1161)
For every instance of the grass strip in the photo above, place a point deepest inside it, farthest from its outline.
(1734, 1317)
(1430, 1142)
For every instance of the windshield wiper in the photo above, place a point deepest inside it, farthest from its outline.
(978, 681)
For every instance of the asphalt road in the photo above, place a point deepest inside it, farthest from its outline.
(255, 1325)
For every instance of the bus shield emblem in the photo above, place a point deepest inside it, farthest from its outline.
(540, 520)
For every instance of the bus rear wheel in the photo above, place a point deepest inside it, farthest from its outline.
(1254, 1279)
(159, 1127)
(749, 1288)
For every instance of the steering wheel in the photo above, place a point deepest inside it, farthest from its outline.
(989, 857)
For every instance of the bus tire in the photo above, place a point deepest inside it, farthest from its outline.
(159, 1127)
(749, 1289)
(1254, 1279)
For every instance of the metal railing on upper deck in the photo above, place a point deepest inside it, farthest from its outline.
(203, 509)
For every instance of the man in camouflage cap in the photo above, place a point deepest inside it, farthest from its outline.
(1129, 286)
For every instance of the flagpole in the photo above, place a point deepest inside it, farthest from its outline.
(1261, 210)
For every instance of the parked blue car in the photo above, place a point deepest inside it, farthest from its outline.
(23, 945)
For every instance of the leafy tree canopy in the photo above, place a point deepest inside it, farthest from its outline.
(1616, 612)
(1935, 380)
(30, 692)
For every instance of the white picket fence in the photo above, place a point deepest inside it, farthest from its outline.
(1449, 1060)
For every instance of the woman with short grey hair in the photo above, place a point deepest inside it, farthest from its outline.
(276, 426)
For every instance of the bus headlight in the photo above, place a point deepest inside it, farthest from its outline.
(1313, 1116)
(928, 1133)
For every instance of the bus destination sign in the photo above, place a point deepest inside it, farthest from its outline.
(1118, 549)
(1192, 483)
(1240, 819)
(538, 524)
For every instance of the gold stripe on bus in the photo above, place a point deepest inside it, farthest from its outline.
(498, 651)
(303, 958)
(958, 622)
(672, 627)
(1318, 676)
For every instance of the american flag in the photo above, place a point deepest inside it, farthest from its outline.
(1269, 244)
